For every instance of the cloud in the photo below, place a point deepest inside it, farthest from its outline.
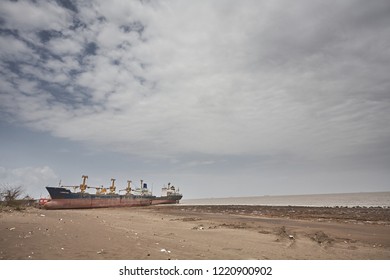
(30, 178)
(28, 16)
(171, 79)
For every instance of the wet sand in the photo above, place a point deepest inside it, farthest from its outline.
(196, 232)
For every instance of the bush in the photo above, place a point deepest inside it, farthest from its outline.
(10, 195)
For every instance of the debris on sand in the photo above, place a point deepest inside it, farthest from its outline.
(198, 227)
(282, 232)
(321, 238)
(165, 251)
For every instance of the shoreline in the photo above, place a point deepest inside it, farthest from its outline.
(361, 199)
(205, 232)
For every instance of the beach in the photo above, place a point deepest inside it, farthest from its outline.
(196, 232)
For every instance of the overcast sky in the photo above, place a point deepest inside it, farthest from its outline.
(220, 98)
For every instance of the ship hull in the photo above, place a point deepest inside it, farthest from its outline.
(79, 203)
(62, 198)
(172, 199)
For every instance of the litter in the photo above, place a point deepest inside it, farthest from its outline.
(165, 251)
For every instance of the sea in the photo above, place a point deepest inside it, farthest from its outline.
(363, 199)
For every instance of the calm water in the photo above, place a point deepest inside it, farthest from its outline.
(345, 199)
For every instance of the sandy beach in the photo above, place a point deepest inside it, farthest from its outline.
(196, 232)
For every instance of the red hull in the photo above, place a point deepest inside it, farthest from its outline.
(96, 203)
(164, 201)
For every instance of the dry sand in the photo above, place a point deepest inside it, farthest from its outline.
(196, 232)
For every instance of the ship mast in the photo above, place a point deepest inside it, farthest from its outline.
(83, 186)
(128, 189)
(112, 188)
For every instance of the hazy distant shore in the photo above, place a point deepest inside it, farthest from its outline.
(196, 232)
(364, 199)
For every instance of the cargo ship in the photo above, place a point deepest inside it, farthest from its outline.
(63, 197)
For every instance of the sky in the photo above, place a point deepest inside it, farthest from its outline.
(221, 98)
